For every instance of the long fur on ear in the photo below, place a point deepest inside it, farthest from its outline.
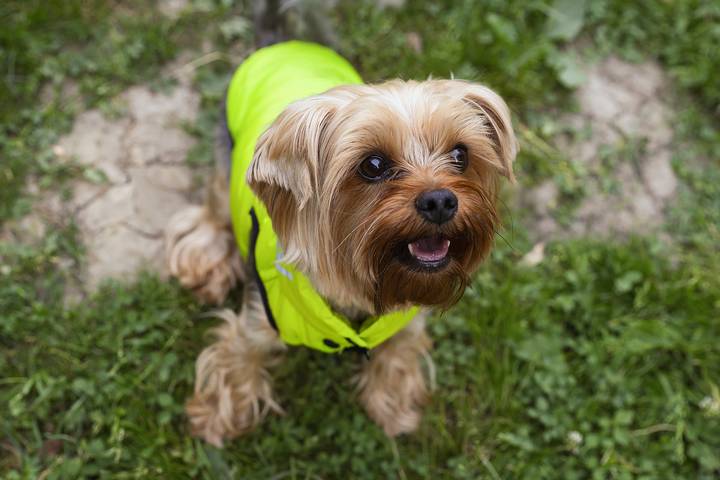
(285, 166)
(491, 106)
(287, 154)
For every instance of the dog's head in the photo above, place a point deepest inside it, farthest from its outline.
(386, 195)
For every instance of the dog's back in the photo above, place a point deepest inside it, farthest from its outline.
(273, 77)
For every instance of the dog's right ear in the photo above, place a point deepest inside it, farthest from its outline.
(284, 170)
(287, 155)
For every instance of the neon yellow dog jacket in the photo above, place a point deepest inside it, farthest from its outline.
(265, 83)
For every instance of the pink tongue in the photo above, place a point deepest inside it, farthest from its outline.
(429, 249)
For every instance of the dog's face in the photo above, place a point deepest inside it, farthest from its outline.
(386, 195)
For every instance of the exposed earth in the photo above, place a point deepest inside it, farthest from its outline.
(623, 144)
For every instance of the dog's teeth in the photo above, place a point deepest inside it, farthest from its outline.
(412, 249)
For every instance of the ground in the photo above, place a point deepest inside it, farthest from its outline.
(621, 105)
(586, 348)
(141, 155)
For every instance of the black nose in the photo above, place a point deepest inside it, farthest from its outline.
(437, 206)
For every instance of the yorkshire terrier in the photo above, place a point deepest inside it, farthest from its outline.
(348, 211)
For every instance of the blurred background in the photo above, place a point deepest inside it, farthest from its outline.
(587, 347)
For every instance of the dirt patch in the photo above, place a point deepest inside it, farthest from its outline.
(622, 146)
(141, 156)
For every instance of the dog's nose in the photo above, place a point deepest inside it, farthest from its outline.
(437, 206)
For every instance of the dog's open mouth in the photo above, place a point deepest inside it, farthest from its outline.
(430, 252)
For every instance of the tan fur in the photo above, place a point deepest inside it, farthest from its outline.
(233, 390)
(392, 384)
(347, 235)
(201, 249)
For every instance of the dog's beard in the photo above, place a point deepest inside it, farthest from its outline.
(398, 285)
(401, 259)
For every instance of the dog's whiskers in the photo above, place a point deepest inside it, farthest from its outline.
(360, 225)
(362, 240)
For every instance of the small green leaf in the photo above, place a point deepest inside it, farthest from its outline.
(165, 400)
(626, 282)
(569, 70)
(566, 18)
(503, 29)
(94, 175)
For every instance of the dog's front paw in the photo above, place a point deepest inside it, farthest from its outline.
(394, 397)
(233, 390)
(395, 412)
(226, 414)
(202, 254)
(392, 384)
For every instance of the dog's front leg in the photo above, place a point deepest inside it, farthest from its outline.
(392, 383)
(233, 389)
(200, 247)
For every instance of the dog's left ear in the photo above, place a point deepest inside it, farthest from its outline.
(497, 115)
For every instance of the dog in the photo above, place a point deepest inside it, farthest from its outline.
(348, 211)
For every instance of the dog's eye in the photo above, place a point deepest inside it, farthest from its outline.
(459, 157)
(374, 168)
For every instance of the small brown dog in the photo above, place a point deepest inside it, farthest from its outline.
(383, 196)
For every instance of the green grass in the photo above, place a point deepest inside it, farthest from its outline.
(603, 361)
(611, 342)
